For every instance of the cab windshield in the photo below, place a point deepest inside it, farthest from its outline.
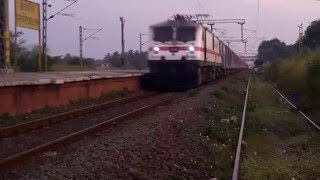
(163, 34)
(186, 34)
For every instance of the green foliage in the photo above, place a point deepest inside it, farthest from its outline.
(132, 59)
(312, 35)
(219, 94)
(273, 50)
(301, 75)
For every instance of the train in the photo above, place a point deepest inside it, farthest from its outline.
(184, 54)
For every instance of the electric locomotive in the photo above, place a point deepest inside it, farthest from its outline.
(184, 54)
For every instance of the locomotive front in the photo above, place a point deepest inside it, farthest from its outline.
(173, 41)
(173, 54)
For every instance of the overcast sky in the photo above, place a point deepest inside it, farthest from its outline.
(278, 18)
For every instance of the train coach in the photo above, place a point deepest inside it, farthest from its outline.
(184, 54)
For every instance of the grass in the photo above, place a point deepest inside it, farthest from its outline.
(280, 143)
(219, 136)
(8, 120)
(192, 93)
(219, 94)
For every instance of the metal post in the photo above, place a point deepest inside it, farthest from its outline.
(122, 39)
(300, 39)
(241, 32)
(7, 35)
(44, 33)
(140, 40)
(2, 34)
(211, 26)
(15, 35)
(245, 47)
(80, 47)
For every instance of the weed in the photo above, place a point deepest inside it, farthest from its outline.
(219, 94)
(224, 88)
(192, 93)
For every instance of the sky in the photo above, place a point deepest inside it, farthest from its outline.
(277, 19)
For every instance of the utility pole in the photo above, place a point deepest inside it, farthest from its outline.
(122, 40)
(300, 39)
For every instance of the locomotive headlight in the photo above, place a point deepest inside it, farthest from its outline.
(191, 49)
(156, 49)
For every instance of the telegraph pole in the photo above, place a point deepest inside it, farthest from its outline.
(122, 39)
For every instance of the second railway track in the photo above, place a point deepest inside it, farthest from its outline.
(283, 102)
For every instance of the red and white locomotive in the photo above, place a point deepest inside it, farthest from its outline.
(185, 54)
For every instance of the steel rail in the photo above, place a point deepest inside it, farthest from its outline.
(36, 124)
(14, 160)
(305, 116)
(238, 153)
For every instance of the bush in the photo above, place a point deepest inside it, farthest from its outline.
(299, 75)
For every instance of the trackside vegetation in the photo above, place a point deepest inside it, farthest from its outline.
(280, 143)
(298, 77)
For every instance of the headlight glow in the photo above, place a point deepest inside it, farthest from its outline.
(156, 49)
(191, 49)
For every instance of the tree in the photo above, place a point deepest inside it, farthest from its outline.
(312, 35)
(133, 59)
(273, 50)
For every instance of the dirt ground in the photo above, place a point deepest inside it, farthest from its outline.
(172, 142)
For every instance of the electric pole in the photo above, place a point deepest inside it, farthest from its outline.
(122, 40)
(81, 40)
(44, 33)
(141, 43)
(211, 26)
(2, 34)
(300, 39)
(241, 31)
(45, 20)
(81, 46)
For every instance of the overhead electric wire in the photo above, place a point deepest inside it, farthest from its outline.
(258, 18)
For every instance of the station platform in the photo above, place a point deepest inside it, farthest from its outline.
(25, 79)
(25, 92)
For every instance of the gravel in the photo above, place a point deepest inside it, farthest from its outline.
(163, 144)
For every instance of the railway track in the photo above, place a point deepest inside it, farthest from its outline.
(36, 137)
(237, 160)
(62, 117)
